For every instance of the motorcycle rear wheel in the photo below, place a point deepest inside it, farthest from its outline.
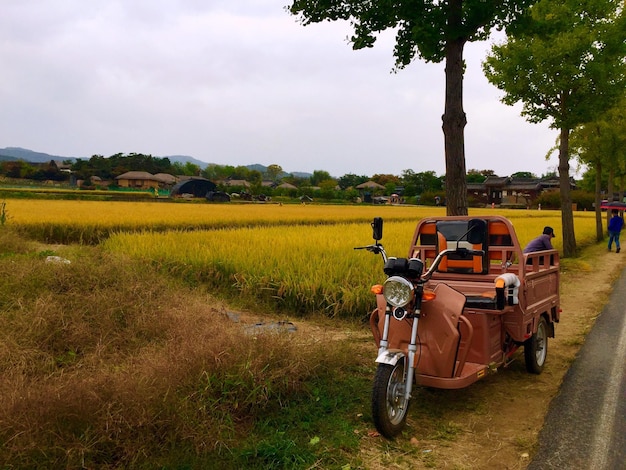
(536, 348)
(389, 406)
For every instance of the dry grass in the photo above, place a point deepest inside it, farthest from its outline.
(107, 365)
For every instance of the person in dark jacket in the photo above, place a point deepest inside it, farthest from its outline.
(615, 227)
(542, 242)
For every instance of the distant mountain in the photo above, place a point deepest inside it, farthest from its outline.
(301, 174)
(186, 159)
(18, 153)
(263, 169)
(257, 167)
(254, 166)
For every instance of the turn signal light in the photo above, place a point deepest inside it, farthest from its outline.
(377, 289)
(428, 295)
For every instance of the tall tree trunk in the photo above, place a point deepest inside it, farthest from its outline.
(567, 214)
(454, 118)
(598, 201)
(611, 184)
(610, 191)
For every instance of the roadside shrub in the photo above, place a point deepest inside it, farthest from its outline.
(584, 200)
(474, 202)
(549, 200)
(427, 198)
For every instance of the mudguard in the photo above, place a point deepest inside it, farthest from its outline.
(390, 357)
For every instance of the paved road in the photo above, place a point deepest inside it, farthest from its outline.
(585, 427)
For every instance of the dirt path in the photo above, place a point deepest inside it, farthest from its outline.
(497, 424)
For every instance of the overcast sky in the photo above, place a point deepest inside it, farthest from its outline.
(237, 82)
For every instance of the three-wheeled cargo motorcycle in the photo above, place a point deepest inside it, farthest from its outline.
(456, 308)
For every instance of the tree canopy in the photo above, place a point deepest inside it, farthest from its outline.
(115, 165)
(435, 31)
(601, 145)
(565, 62)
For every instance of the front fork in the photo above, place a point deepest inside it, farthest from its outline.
(391, 357)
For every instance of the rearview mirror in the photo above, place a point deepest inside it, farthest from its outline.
(377, 228)
(477, 231)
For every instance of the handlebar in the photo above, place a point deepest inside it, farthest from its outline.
(376, 249)
(465, 252)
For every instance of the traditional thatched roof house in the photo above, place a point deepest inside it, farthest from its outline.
(166, 178)
(368, 188)
(97, 181)
(370, 185)
(65, 167)
(144, 180)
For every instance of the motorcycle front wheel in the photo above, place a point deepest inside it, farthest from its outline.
(389, 406)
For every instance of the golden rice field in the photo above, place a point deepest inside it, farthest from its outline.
(293, 258)
(298, 269)
(92, 221)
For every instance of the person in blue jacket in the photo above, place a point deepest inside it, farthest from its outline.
(615, 227)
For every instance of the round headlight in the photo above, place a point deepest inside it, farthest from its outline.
(398, 291)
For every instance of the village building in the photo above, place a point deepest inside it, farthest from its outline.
(511, 191)
(144, 180)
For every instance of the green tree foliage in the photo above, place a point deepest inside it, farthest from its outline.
(351, 180)
(418, 183)
(549, 174)
(384, 180)
(565, 62)
(17, 169)
(216, 172)
(549, 200)
(318, 176)
(240, 172)
(588, 180)
(108, 168)
(48, 172)
(584, 200)
(476, 176)
(255, 177)
(523, 174)
(274, 172)
(435, 31)
(390, 188)
(35, 171)
(602, 146)
(187, 169)
(295, 180)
